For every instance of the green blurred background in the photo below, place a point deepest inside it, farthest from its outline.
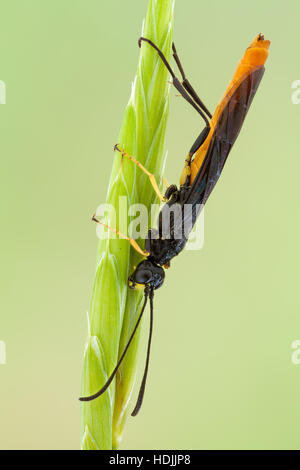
(221, 371)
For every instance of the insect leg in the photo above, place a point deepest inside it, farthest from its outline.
(187, 84)
(177, 84)
(186, 172)
(166, 182)
(150, 175)
(199, 141)
(132, 242)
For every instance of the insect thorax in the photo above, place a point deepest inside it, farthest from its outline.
(163, 250)
(169, 239)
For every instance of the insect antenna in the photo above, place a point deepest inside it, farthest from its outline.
(143, 384)
(110, 379)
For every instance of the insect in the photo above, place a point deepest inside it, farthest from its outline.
(203, 166)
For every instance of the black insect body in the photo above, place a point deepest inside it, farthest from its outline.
(203, 167)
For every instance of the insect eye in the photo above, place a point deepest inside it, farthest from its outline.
(144, 276)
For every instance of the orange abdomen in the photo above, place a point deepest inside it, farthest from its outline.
(254, 57)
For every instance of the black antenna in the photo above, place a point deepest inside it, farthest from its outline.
(110, 379)
(143, 384)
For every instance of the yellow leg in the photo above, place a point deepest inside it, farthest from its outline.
(150, 175)
(132, 242)
(166, 183)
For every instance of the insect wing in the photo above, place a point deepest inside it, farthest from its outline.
(226, 131)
